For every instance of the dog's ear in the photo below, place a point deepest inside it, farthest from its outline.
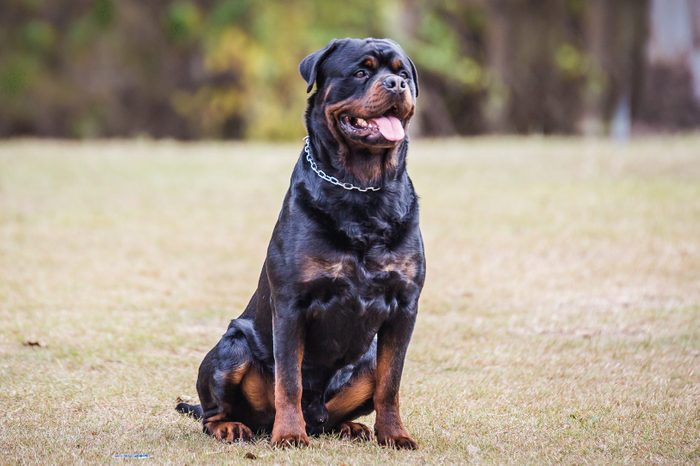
(415, 74)
(309, 65)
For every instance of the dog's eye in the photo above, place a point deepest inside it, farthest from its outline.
(404, 74)
(360, 74)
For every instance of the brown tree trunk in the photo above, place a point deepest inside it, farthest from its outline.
(596, 33)
(499, 58)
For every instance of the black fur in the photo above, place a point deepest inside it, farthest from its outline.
(191, 410)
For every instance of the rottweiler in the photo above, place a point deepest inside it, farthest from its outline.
(323, 339)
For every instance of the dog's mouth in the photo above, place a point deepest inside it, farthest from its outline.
(386, 129)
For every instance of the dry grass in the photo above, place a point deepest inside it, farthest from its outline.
(560, 322)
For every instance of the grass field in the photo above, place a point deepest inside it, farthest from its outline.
(560, 321)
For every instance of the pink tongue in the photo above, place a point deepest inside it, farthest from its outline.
(390, 127)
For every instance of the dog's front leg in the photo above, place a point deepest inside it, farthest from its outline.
(288, 348)
(392, 343)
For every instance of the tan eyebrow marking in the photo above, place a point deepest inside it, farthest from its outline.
(396, 64)
(369, 62)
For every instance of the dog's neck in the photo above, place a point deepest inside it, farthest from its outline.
(359, 219)
(360, 215)
(359, 165)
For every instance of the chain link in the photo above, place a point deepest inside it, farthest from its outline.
(332, 179)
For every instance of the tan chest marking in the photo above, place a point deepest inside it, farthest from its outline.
(405, 266)
(313, 268)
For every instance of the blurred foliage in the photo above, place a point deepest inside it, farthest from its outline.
(183, 68)
(228, 68)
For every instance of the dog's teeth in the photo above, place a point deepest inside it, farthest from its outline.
(361, 122)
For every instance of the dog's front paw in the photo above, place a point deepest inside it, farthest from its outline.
(399, 439)
(289, 439)
(289, 432)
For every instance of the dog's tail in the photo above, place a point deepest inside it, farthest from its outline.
(195, 411)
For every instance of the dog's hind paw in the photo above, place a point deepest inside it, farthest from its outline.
(229, 432)
(354, 431)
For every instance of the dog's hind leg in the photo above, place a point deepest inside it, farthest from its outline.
(236, 394)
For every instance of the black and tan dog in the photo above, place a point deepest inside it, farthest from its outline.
(324, 337)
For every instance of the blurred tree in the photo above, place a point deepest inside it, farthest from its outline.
(671, 92)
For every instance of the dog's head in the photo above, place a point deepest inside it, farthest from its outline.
(365, 96)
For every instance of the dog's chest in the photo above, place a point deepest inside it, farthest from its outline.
(347, 299)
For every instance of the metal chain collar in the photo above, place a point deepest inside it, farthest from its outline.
(332, 179)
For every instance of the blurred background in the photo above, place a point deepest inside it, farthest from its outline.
(227, 69)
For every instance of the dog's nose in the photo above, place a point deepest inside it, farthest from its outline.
(394, 84)
(322, 419)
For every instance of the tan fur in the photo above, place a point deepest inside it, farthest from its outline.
(236, 375)
(259, 391)
(351, 397)
(215, 418)
(405, 266)
(370, 63)
(289, 427)
(313, 268)
(228, 431)
(381, 397)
